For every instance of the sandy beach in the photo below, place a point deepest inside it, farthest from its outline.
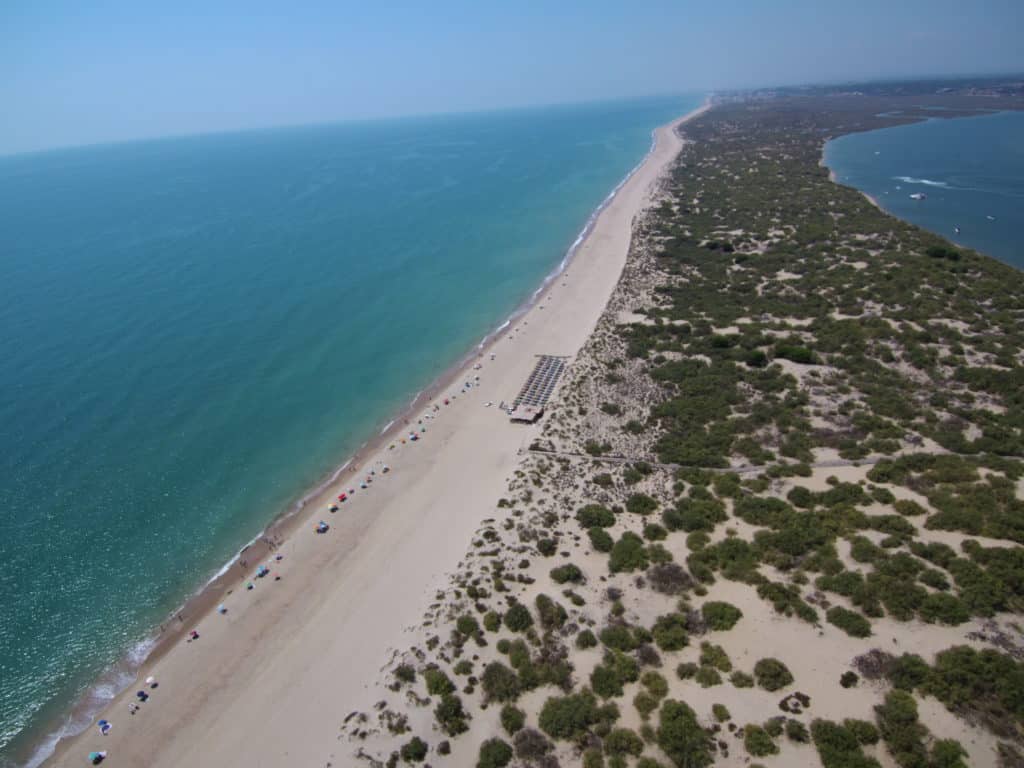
(270, 682)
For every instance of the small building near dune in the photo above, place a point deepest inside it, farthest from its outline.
(526, 414)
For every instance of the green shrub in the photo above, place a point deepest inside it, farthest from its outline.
(552, 615)
(909, 508)
(467, 625)
(622, 741)
(571, 716)
(494, 753)
(654, 532)
(863, 731)
(797, 731)
(681, 737)
(670, 632)
(530, 744)
(512, 719)
(943, 608)
(686, 670)
(451, 716)
(838, 747)
(414, 750)
(720, 616)
(851, 622)
(492, 621)
(593, 758)
(715, 656)
(640, 504)
(741, 680)
(720, 712)
(655, 683)
(585, 639)
(707, 677)
(600, 539)
(645, 704)
(619, 636)
(903, 734)
(518, 618)
(547, 546)
(772, 674)
(849, 679)
(566, 573)
(603, 479)
(438, 683)
(757, 742)
(405, 673)
(628, 554)
(499, 682)
(595, 515)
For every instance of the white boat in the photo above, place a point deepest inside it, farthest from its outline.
(918, 196)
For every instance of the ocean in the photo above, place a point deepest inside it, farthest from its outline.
(198, 330)
(970, 169)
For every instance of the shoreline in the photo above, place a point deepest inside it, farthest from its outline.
(281, 531)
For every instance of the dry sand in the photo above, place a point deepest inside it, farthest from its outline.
(270, 683)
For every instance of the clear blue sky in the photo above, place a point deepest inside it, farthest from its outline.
(76, 72)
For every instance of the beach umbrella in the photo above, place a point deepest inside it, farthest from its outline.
(222, 609)
(150, 680)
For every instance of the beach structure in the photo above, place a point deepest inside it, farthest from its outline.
(528, 405)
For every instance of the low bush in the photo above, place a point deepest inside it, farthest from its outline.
(552, 615)
(512, 719)
(628, 554)
(566, 573)
(600, 539)
(451, 716)
(518, 618)
(438, 683)
(641, 504)
(530, 744)
(585, 639)
(720, 616)
(851, 622)
(414, 750)
(669, 578)
(595, 515)
(499, 682)
(494, 753)
(772, 674)
(757, 742)
(669, 632)
(622, 741)
(681, 737)
(741, 680)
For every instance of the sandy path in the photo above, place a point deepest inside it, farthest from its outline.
(270, 683)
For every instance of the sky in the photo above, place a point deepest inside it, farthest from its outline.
(75, 72)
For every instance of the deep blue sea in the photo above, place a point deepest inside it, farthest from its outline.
(970, 169)
(194, 331)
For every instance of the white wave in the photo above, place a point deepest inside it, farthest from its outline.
(926, 182)
(387, 426)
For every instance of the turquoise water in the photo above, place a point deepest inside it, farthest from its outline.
(970, 169)
(197, 330)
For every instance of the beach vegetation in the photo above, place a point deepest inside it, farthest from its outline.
(628, 554)
(641, 504)
(595, 515)
(838, 747)
(571, 716)
(757, 742)
(551, 613)
(720, 712)
(849, 679)
(851, 622)
(670, 633)
(585, 639)
(714, 656)
(772, 674)
(499, 682)
(741, 680)
(720, 616)
(623, 741)
(681, 737)
(707, 676)
(438, 683)
(414, 750)
(669, 578)
(567, 573)
(655, 532)
(405, 673)
(797, 731)
(512, 719)
(494, 753)
(600, 539)
(530, 744)
(518, 618)
(451, 716)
